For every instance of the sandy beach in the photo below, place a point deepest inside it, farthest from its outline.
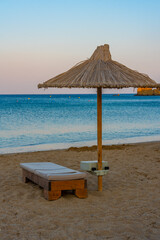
(128, 207)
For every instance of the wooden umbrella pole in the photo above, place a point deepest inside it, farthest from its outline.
(99, 134)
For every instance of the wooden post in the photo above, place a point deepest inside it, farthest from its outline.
(99, 134)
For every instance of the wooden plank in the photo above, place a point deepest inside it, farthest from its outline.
(68, 185)
(99, 134)
(42, 182)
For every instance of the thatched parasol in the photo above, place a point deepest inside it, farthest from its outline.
(99, 71)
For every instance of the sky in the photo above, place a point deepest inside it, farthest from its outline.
(42, 38)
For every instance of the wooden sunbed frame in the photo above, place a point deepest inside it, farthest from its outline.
(53, 188)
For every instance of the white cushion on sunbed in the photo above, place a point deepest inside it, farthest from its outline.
(32, 167)
(52, 171)
(60, 174)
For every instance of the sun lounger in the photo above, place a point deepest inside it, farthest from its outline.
(54, 178)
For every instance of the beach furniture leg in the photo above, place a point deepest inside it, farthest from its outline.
(52, 195)
(81, 193)
(24, 177)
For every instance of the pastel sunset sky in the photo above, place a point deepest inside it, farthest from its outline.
(42, 38)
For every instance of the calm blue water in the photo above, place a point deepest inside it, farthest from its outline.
(41, 122)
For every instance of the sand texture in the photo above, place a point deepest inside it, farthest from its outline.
(128, 208)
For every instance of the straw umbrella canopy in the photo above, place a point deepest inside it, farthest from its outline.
(99, 71)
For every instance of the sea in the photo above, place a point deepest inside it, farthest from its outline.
(45, 122)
